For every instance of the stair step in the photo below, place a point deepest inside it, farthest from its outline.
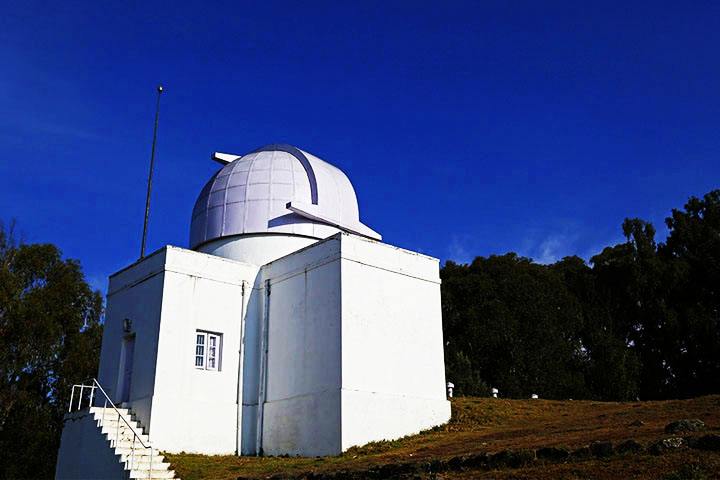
(125, 439)
(114, 428)
(144, 464)
(113, 414)
(110, 411)
(112, 417)
(139, 452)
(127, 435)
(153, 474)
(156, 458)
(128, 443)
(114, 424)
(111, 426)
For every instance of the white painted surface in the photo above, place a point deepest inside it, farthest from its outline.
(251, 370)
(258, 249)
(195, 410)
(224, 158)
(359, 321)
(393, 373)
(250, 194)
(307, 425)
(314, 212)
(370, 417)
(168, 297)
(134, 293)
(302, 415)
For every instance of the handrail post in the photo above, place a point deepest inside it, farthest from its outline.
(103, 416)
(114, 442)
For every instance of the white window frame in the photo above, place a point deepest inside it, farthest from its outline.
(200, 349)
(205, 356)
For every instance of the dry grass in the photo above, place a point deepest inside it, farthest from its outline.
(491, 425)
(681, 465)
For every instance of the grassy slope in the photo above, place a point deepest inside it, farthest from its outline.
(491, 425)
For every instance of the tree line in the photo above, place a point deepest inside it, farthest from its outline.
(641, 320)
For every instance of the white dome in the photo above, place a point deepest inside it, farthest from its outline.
(276, 189)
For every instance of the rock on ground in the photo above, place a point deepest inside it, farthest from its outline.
(685, 425)
(671, 443)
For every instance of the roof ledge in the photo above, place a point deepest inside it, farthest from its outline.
(313, 213)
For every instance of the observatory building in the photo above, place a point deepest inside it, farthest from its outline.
(287, 327)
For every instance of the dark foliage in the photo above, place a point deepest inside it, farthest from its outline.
(642, 320)
(49, 338)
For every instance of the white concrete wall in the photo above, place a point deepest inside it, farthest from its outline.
(197, 410)
(355, 349)
(85, 452)
(393, 372)
(134, 293)
(251, 368)
(302, 409)
(258, 249)
(169, 296)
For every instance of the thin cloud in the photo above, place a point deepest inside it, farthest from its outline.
(458, 250)
(550, 249)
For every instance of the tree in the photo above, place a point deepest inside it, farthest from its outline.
(610, 366)
(692, 253)
(50, 334)
(510, 324)
(630, 279)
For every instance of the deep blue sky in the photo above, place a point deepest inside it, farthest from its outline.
(466, 128)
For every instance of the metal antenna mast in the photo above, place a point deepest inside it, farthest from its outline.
(150, 175)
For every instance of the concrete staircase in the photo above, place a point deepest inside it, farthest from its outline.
(128, 445)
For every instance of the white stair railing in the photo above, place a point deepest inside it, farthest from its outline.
(89, 391)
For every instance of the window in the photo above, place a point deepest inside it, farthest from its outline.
(200, 351)
(208, 348)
